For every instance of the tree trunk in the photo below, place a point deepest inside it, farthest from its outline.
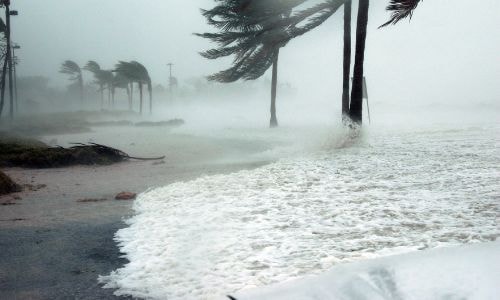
(356, 109)
(80, 85)
(140, 97)
(150, 91)
(129, 98)
(274, 83)
(101, 87)
(347, 59)
(113, 96)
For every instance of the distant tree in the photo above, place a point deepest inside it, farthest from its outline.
(253, 31)
(121, 82)
(95, 69)
(135, 72)
(72, 69)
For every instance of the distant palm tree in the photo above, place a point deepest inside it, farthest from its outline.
(135, 72)
(72, 69)
(95, 69)
(120, 81)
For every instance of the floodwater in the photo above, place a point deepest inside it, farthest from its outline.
(330, 197)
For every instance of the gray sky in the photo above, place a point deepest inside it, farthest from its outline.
(446, 54)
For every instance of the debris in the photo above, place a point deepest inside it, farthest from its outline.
(126, 196)
(91, 200)
(7, 185)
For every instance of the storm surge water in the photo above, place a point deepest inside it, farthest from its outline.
(386, 192)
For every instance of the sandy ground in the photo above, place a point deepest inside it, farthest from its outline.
(54, 246)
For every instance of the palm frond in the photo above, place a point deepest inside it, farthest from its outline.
(401, 9)
(71, 68)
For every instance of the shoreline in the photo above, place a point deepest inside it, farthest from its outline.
(54, 245)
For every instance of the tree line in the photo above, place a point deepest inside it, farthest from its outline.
(254, 31)
(123, 76)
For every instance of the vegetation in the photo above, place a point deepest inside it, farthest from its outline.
(74, 71)
(134, 72)
(42, 156)
(254, 31)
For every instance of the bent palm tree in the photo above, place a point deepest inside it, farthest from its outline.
(72, 69)
(94, 68)
(255, 30)
(120, 81)
(135, 72)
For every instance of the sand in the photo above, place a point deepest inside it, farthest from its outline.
(58, 236)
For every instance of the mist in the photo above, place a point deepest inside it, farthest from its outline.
(157, 185)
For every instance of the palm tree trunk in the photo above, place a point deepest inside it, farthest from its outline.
(140, 97)
(80, 85)
(274, 86)
(101, 87)
(150, 91)
(113, 96)
(347, 59)
(356, 109)
(129, 97)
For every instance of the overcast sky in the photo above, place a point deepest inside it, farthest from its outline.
(450, 50)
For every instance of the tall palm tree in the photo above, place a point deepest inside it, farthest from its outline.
(72, 69)
(254, 31)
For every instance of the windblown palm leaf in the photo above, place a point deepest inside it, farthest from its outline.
(254, 30)
(401, 9)
(71, 68)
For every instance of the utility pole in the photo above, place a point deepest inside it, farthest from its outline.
(170, 80)
(16, 98)
(8, 14)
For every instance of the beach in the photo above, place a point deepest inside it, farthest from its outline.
(58, 236)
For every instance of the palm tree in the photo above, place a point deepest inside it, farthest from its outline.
(254, 31)
(95, 69)
(135, 72)
(144, 78)
(72, 69)
(120, 81)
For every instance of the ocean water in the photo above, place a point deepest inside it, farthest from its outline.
(328, 199)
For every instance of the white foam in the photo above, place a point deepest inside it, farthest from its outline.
(392, 192)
